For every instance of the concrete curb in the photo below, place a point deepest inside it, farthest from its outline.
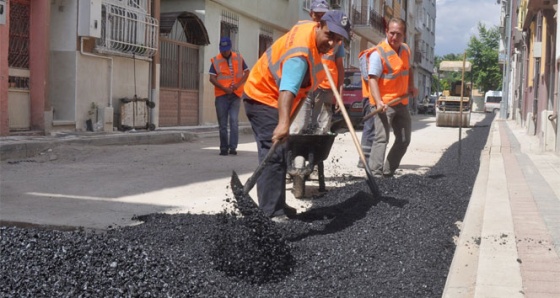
(27, 148)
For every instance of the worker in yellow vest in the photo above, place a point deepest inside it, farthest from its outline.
(228, 73)
(280, 79)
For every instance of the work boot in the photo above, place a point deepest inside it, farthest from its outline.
(223, 152)
(289, 210)
(232, 151)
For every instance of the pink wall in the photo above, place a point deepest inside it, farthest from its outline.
(39, 62)
(4, 33)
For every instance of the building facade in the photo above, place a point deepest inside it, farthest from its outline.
(530, 61)
(103, 65)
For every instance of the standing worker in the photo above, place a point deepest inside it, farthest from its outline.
(390, 77)
(228, 73)
(316, 113)
(280, 79)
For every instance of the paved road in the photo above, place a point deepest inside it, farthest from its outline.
(106, 186)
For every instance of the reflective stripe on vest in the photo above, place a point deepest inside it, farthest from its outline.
(264, 80)
(224, 75)
(330, 60)
(393, 81)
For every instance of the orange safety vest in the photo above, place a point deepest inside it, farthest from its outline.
(264, 80)
(330, 60)
(364, 69)
(393, 81)
(224, 75)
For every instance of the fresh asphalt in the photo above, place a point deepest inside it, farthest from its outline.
(100, 181)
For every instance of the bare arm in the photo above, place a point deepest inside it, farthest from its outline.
(215, 82)
(373, 82)
(245, 76)
(285, 102)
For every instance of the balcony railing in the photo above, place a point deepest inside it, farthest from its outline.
(127, 30)
(366, 16)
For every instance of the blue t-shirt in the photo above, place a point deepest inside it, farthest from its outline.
(293, 72)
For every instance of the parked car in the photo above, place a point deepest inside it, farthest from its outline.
(352, 98)
(428, 107)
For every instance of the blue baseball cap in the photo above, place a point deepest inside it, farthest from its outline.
(338, 22)
(225, 44)
(319, 6)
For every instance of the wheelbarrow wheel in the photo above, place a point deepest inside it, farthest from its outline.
(299, 186)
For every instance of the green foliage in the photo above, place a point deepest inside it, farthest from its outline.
(483, 53)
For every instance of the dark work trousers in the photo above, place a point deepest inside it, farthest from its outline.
(398, 118)
(368, 131)
(271, 185)
(227, 110)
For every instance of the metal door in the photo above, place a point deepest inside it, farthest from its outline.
(19, 101)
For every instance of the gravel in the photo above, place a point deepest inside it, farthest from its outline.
(348, 244)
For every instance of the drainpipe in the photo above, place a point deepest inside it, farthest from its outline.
(505, 84)
(155, 72)
(110, 103)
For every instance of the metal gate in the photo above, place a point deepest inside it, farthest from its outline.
(19, 101)
(179, 83)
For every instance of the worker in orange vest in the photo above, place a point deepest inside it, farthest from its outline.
(315, 115)
(390, 77)
(228, 73)
(280, 79)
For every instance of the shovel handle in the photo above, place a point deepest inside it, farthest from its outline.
(370, 180)
(366, 117)
(253, 179)
(345, 114)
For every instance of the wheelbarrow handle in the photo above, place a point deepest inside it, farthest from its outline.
(393, 101)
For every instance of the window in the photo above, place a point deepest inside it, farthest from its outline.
(265, 40)
(229, 27)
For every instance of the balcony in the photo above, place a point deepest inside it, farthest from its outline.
(534, 6)
(540, 4)
(368, 23)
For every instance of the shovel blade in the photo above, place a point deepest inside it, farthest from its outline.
(371, 182)
(244, 202)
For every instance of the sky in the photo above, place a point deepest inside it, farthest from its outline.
(457, 21)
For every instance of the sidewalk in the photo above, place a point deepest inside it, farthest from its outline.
(510, 240)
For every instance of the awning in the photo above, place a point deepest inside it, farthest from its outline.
(455, 66)
(193, 27)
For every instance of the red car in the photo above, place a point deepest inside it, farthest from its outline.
(352, 98)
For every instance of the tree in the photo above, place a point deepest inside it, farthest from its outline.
(483, 54)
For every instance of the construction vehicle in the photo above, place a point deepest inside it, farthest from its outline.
(453, 107)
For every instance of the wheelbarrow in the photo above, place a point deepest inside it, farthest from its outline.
(303, 153)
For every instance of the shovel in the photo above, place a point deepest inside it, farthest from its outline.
(236, 183)
(366, 117)
(370, 180)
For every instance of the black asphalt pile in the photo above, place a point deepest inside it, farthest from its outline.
(348, 244)
(248, 246)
